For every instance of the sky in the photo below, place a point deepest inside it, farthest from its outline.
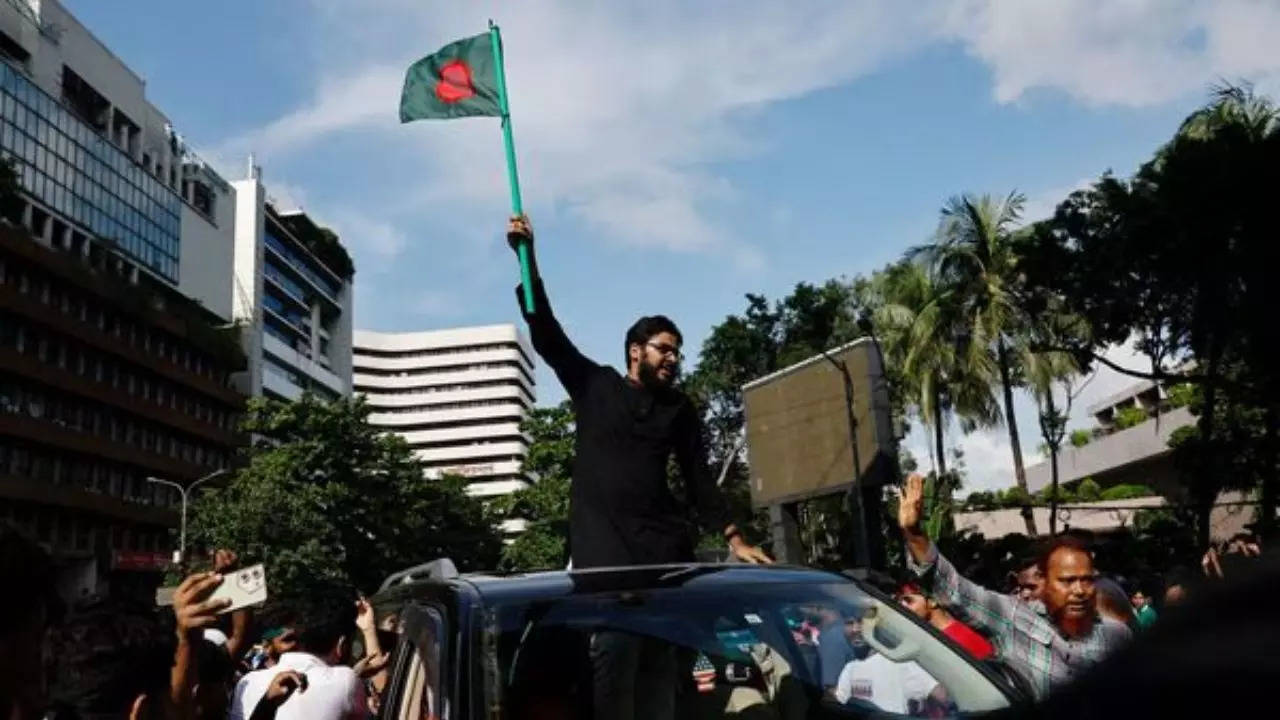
(675, 156)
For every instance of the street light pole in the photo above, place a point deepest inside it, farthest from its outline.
(862, 549)
(184, 491)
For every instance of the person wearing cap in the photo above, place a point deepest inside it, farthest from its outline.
(277, 641)
(914, 598)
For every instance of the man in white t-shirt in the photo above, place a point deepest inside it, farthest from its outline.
(890, 686)
(331, 691)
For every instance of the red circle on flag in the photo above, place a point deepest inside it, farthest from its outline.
(455, 82)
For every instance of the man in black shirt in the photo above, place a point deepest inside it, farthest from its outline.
(621, 510)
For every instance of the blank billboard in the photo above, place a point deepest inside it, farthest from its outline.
(798, 428)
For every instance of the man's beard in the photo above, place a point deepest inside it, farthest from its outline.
(1073, 626)
(650, 380)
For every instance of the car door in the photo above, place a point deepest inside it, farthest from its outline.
(418, 690)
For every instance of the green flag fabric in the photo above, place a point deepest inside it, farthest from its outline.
(459, 80)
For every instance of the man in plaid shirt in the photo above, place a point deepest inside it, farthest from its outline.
(1048, 641)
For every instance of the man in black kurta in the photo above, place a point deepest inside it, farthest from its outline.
(628, 427)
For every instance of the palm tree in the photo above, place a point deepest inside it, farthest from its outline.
(975, 267)
(941, 376)
(1045, 372)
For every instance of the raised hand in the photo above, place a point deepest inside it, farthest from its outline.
(191, 609)
(519, 230)
(371, 665)
(224, 560)
(365, 618)
(283, 685)
(910, 513)
(750, 554)
(911, 504)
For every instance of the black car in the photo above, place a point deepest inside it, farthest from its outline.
(743, 641)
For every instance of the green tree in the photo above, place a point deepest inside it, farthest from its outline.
(1081, 437)
(975, 263)
(1127, 492)
(1088, 490)
(1127, 417)
(940, 374)
(326, 498)
(982, 500)
(544, 505)
(1053, 380)
(765, 337)
(1178, 258)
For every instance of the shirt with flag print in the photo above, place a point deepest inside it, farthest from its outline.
(704, 674)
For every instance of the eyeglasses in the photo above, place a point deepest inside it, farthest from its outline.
(664, 349)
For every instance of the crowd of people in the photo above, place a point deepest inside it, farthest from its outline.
(1053, 627)
(320, 660)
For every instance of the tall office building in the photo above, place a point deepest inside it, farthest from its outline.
(292, 294)
(114, 260)
(457, 396)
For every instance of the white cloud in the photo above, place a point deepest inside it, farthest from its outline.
(436, 304)
(365, 97)
(1041, 205)
(374, 244)
(621, 110)
(617, 111)
(1127, 52)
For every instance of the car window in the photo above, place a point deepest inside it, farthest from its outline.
(785, 650)
(418, 687)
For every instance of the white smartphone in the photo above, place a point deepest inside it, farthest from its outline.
(245, 587)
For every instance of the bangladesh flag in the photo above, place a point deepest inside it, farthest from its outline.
(459, 80)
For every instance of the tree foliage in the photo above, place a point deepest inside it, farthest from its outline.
(939, 372)
(1178, 258)
(975, 260)
(1127, 417)
(326, 499)
(1127, 492)
(544, 505)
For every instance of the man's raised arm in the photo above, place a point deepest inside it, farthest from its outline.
(983, 608)
(549, 339)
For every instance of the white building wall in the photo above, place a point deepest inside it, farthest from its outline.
(248, 290)
(456, 396)
(245, 284)
(206, 259)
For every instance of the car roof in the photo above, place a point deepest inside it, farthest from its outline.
(564, 583)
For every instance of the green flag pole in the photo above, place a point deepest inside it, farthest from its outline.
(513, 177)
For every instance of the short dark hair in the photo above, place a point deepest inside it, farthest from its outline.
(1062, 542)
(328, 618)
(645, 328)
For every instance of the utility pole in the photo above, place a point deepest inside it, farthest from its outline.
(861, 536)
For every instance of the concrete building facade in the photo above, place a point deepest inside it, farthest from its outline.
(115, 360)
(1137, 455)
(294, 306)
(105, 173)
(456, 396)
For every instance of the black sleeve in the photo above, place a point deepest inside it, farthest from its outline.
(700, 484)
(549, 340)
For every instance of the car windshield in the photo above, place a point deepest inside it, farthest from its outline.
(767, 649)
